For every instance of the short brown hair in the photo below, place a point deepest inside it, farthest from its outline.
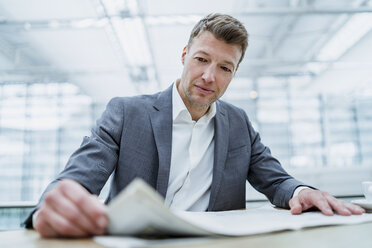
(223, 27)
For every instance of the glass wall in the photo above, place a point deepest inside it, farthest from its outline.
(40, 126)
(308, 129)
(322, 139)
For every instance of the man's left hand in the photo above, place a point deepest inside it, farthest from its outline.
(326, 203)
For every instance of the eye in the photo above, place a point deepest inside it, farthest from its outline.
(200, 59)
(226, 69)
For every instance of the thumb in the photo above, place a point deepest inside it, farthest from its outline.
(295, 205)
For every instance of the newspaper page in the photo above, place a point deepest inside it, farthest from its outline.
(139, 210)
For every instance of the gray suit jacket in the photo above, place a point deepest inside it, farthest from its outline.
(133, 138)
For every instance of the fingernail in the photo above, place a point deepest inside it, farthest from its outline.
(362, 210)
(329, 211)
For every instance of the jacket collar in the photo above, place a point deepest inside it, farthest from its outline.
(161, 121)
(221, 143)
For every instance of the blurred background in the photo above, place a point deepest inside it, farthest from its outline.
(305, 82)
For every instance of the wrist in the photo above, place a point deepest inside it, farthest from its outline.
(298, 190)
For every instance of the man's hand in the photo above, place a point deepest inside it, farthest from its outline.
(69, 210)
(326, 203)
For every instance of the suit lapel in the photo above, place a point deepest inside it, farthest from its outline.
(161, 121)
(221, 140)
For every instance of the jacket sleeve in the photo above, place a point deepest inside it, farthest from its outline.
(267, 175)
(94, 161)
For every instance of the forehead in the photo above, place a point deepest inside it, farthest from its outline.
(207, 43)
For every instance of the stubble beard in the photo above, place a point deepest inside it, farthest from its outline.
(188, 95)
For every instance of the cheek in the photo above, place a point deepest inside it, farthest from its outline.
(223, 84)
(195, 70)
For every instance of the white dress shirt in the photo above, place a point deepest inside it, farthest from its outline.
(191, 168)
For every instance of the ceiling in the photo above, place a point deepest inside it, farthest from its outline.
(125, 47)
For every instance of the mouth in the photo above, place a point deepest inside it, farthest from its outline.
(203, 90)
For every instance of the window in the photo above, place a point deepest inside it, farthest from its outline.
(40, 126)
(320, 139)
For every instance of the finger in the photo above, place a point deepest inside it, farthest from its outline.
(355, 209)
(88, 204)
(66, 209)
(344, 208)
(44, 228)
(338, 206)
(319, 200)
(295, 205)
(61, 225)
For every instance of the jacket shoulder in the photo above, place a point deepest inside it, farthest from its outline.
(231, 109)
(133, 101)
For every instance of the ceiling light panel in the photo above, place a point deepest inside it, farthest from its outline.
(346, 37)
(131, 33)
(124, 8)
(47, 10)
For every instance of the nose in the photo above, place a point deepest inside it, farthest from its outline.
(209, 74)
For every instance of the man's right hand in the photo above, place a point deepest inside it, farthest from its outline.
(69, 210)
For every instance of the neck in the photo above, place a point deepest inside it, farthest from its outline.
(196, 115)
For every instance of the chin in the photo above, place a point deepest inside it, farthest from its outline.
(202, 104)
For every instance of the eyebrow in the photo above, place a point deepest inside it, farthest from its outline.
(225, 61)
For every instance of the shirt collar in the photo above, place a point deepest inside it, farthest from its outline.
(179, 107)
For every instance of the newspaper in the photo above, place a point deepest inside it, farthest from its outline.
(140, 210)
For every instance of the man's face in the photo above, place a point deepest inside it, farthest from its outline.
(209, 66)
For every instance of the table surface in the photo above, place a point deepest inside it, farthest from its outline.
(359, 236)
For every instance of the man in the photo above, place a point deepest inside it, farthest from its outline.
(194, 149)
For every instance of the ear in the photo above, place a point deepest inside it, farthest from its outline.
(184, 52)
